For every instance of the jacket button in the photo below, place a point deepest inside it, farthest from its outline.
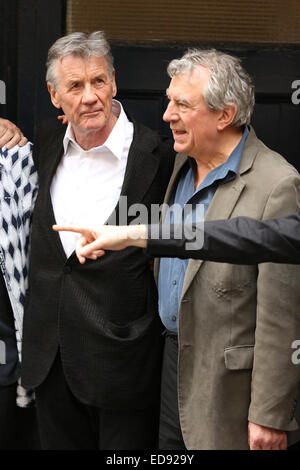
(67, 269)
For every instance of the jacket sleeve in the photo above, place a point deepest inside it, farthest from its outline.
(241, 240)
(275, 378)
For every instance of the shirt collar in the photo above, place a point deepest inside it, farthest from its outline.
(116, 139)
(233, 161)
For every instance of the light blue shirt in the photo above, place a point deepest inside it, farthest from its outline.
(172, 270)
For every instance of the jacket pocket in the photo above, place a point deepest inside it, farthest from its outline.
(239, 357)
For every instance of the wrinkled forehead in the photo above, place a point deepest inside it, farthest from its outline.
(75, 66)
(80, 62)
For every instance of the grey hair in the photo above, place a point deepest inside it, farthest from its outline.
(81, 45)
(229, 83)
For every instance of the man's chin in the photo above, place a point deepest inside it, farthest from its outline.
(91, 124)
(179, 147)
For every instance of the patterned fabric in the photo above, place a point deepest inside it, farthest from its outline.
(18, 189)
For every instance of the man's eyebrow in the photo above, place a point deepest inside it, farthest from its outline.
(179, 99)
(73, 79)
(98, 75)
(183, 100)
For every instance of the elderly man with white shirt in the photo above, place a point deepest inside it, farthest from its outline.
(95, 175)
(91, 341)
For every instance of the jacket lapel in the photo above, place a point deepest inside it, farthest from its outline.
(50, 163)
(142, 166)
(179, 163)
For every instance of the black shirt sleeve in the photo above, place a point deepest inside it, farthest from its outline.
(241, 240)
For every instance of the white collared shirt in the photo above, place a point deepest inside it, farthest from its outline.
(87, 184)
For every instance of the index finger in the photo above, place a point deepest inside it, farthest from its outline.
(68, 228)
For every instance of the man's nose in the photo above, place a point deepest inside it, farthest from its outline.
(89, 95)
(170, 113)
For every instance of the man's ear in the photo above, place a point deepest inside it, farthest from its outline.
(226, 117)
(54, 96)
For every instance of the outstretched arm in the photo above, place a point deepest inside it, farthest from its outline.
(241, 240)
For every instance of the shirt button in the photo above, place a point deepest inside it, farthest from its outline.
(174, 318)
(67, 269)
(174, 283)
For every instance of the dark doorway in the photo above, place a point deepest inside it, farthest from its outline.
(29, 27)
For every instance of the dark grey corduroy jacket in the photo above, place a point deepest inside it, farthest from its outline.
(101, 315)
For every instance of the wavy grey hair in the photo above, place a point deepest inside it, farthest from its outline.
(229, 83)
(81, 45)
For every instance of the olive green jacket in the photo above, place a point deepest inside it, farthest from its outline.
(237, 323)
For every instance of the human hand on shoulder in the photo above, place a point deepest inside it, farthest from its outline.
(10, 135)
(62, 118)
